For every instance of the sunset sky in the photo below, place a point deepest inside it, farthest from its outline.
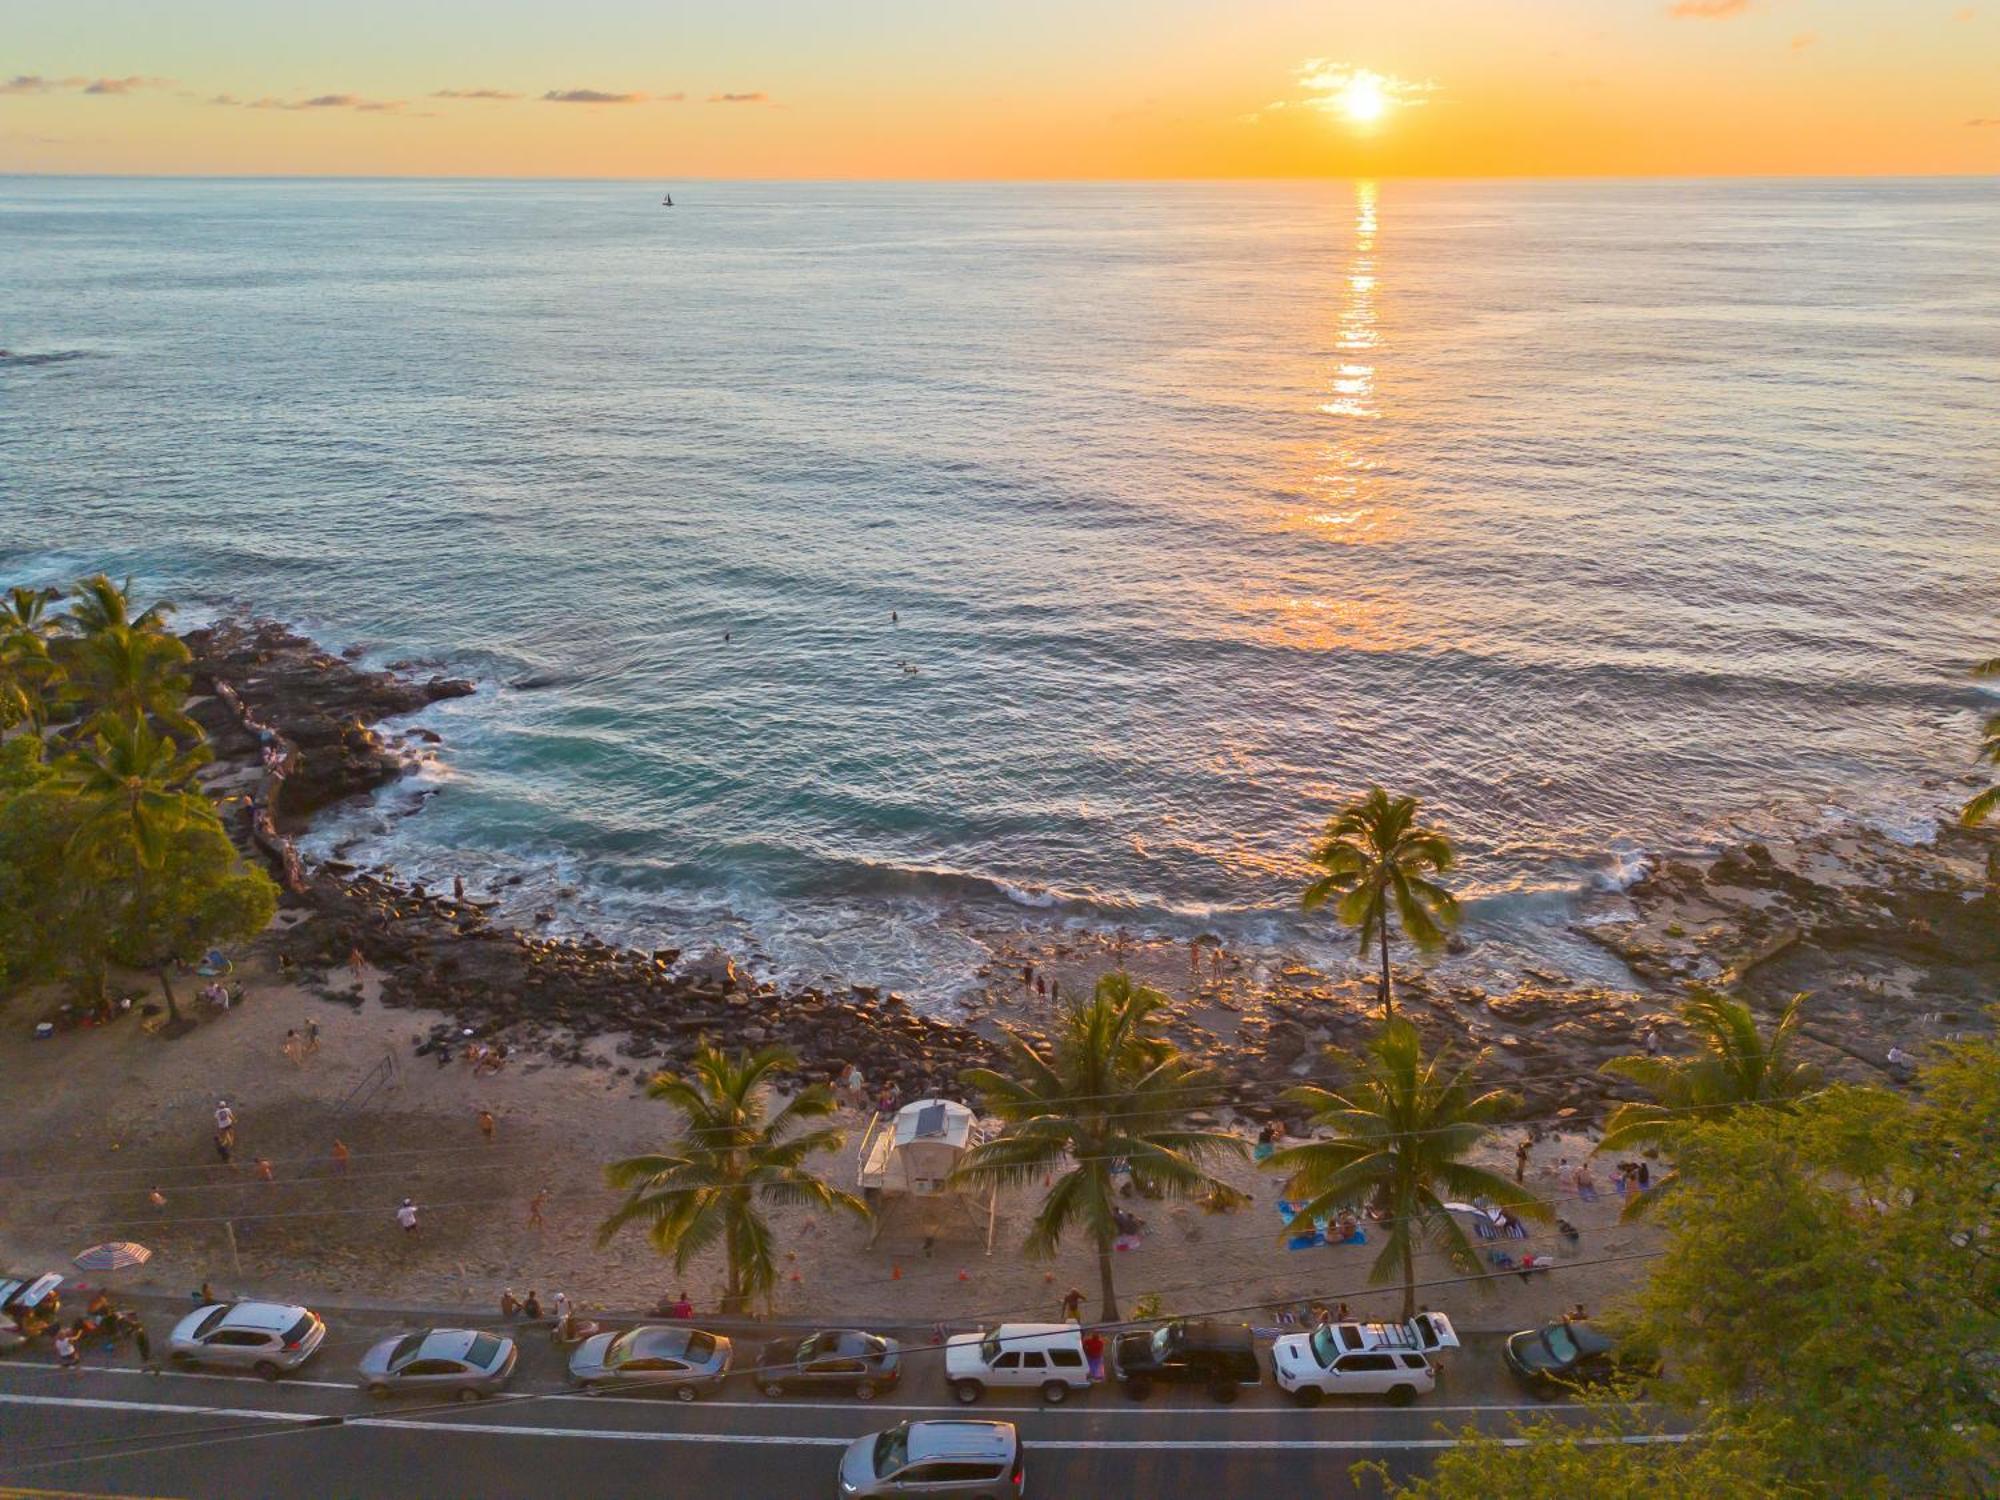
(1029, 88)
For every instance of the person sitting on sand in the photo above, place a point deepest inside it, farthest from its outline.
(531, 1306)
(510, 1305)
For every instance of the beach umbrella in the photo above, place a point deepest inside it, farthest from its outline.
(113, 1256)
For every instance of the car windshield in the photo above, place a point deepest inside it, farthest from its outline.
(1561, 1345)
(296, 1334)
(405, 1350)
(1325, 1348)
(484, 1351)
(1163, 1341)
(892, 1451)
(210, 1321)
(619, 1349)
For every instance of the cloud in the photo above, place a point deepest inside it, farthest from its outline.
(1326, 85)
(34, 83)
(1804, 40)
(589, 96)
(757, 98)
(1707, 10)
(1981, 121)
(320, 101)
(474, 94)
(125, 85)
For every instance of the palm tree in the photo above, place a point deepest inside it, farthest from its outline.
(1401, 1136)
(1377, 856)
(30, 680)
(712, 1181)
(1109, 1089)
(102, 605)
(125, 672)
(1735, 1066)
(1981, 807)
(133, 782)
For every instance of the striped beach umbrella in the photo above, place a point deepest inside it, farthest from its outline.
(113, 1256)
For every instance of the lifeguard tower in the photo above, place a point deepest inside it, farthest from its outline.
(911, 1155)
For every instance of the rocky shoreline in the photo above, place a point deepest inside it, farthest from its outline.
(1899, 943)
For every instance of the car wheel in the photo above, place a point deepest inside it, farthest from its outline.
(266, 1369)
(773, 1388)
(1055, 1393)
(1402, 1395)
(967, 1391)
(1308, 1395)
(685, 1393)
(865, 1391)
(469, 1393)
(1138, 1390)
(1223, 1394)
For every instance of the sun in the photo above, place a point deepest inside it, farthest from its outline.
(1362, 99)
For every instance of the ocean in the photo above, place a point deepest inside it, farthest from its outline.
(857, 575)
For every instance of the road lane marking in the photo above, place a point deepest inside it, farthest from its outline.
(99, 1403)
(173, 1374)
(508, 1429)
(1078, 1407)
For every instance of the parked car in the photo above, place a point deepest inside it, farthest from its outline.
(458, 1361)
(671, 1360)
(271, 1338)
(1045, 1357)
(1190, 1351)
(1396, 1360)
(1561, 1356)
(976, 1460)
(840, 1360)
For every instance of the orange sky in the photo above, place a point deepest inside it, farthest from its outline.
(1084, 88)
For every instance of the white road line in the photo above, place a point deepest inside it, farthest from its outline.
(1076, 1408)
(505, 1429)
(173, 1374)
(98, 1403)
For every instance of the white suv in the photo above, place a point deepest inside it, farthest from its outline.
(267, 1337)
(1397, 1360)
(1045, 1357)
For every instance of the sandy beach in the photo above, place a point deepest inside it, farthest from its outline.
(114, 1114)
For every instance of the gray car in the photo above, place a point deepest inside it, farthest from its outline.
(270, 1338)
(973, 1460)
(679, 1361)
(454, 1361)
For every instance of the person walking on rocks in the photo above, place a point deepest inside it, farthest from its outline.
(406, 1215)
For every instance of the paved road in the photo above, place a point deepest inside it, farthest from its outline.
(112, 1430)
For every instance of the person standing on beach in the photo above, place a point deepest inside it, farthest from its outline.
(458, 888)
(225, 1118)
(66, 1353)
(1072, 1305)
(158, 1199)
(1055, 991)
(294, 1049)
(264, 1171)
(1521, 1161)
(406, 1215)
(1027, 976)
(312, 1035)
(144, 1345)
(356, 962)
(486, 1125)
(339, 1157)
(535, 1203)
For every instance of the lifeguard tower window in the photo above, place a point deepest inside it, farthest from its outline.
(930, 1123)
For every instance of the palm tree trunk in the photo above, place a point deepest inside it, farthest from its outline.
(1388, 996)
(1409, 1272)
(1106, 1289)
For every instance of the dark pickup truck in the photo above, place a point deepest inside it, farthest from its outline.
(1222, 1357)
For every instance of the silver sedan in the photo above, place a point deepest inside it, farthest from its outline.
(460, 1361)
(683, 1362)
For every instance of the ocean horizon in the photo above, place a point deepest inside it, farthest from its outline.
(858, 573)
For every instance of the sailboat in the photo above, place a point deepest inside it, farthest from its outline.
(668, 201)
